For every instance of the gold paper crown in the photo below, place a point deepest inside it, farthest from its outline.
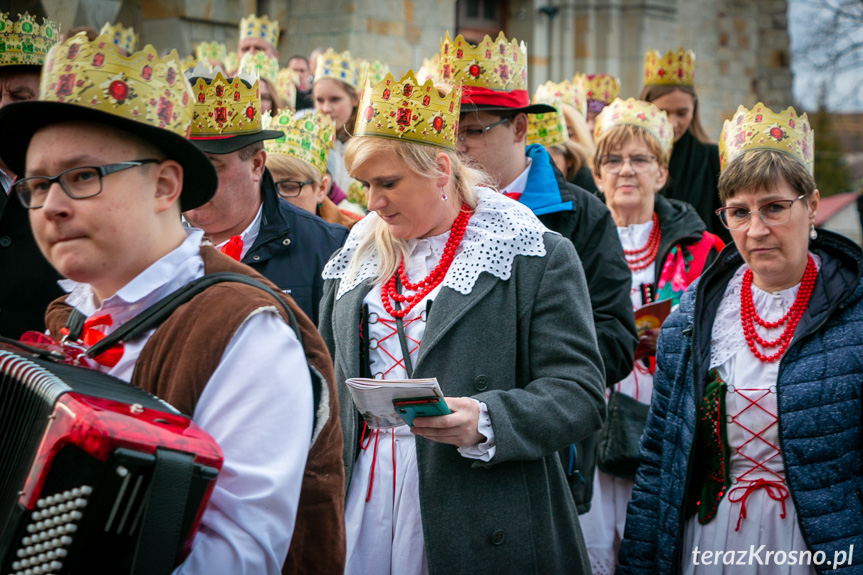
(763, 129)
(224, 106)
(287, 87)
(497, 64)
(260, 65)
(599, 89)
(673, 69)
(139, 86)
(430, 69)
(25, 42)
(566, 92)
(372, 71)
(253, 27)
(548, 128)
(188, 63)
(637, 113)
(307, 138)
(407, 110)
(211, 51)
(340, 67)
(125, 38)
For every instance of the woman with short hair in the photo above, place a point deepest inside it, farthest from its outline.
(753, 440)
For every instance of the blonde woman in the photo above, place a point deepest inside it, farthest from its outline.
(418, 291)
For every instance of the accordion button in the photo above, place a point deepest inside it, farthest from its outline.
(75, 515)
(65, 540)
(40, 503)
(61, 553)
(16, 565)
(80, 503)
(36, 516)
(76, 492)
(31, 528)
(55, 565)
(71, 528)
(38, 548)
(86, 490)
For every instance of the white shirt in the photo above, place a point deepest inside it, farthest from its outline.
(257, 405)
(249, 235)
(518, 185)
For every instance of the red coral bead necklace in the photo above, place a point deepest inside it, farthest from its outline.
(640, 258)
(749, 317)
(423, 287)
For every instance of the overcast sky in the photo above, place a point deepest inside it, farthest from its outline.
(844, 91)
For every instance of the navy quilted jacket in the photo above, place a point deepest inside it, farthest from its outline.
(820, 399)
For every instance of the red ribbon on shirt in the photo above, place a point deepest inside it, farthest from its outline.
(90, 336)
(233, 248)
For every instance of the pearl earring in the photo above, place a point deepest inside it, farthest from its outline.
(812, 233)
(443, 195)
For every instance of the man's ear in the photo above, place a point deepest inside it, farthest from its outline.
(259, 162)
(169, 184)
(520, 122)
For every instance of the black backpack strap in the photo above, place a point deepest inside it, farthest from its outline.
(157, 313)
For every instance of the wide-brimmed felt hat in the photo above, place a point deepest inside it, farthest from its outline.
(138, 93)
(24, 119)
(228, 144)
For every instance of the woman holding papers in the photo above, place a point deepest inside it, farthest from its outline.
(666, 247)
(751, 455)
(449, 280)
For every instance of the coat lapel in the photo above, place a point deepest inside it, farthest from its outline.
(448, 309)
(347, 325)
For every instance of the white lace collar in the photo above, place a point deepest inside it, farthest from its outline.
(499, 230)
(726, 337)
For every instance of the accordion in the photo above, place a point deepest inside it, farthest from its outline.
(96, 475)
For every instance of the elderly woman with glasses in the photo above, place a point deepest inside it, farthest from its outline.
(666, 247)
(751, 455)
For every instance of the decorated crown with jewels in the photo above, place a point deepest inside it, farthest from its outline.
(125, 38)
(566, 92)
(232, 62)
(430, 69)
(224, 106)
(547, 128)
(307, 138)
(140, 86)
(634, 112)
(253, 27)
(25, 42)
(338, 66)
(260, 65)
(211, 52)
(498, 64)
(763, 129)
(408, 110)
(673, 69)
(600, 90)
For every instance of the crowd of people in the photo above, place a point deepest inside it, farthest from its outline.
(650, 357)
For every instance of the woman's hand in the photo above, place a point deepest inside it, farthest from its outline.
(458, 428)
(647, 344)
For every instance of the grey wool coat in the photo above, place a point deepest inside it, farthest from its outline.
(526, 347)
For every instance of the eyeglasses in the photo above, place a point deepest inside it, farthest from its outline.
(640, 163)
(291, 188)
(773, 213)
(77, 183)
(476, 133)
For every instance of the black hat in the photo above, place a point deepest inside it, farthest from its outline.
(228, 144)
(23, 119)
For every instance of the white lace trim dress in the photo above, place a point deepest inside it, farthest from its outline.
(382, 512)
(603, 524)
(755, 465)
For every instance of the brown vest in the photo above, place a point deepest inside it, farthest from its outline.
(185, 350)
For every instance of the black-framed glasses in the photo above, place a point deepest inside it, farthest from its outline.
(773, 213)
(77, 183)
(476, 133)
(640, 163)
(291, 188)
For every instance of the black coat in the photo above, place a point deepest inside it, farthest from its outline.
(583, 219)
(28, 283)
(292, 247)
